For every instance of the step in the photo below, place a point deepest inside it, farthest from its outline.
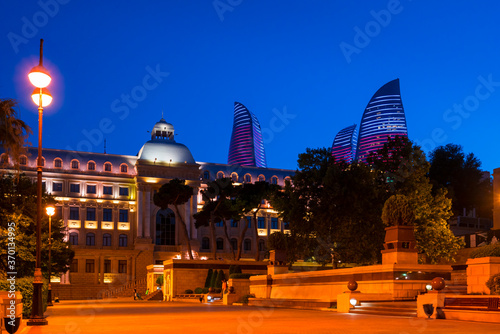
(290, 303)
(400, 309)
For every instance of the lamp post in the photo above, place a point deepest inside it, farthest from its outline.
(50, 211)
(40, 78)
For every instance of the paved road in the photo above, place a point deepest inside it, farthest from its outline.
(125, 316)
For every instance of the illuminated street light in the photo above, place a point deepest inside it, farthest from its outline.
(50, 211)
(40, 78)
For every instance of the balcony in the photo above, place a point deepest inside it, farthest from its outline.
(107, 225)
(74, 224)
(91, 224)
(123, 226)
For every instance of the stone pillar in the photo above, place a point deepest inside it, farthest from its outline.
(147, 213)
(101, 266)
(96, 269)
(140, 211)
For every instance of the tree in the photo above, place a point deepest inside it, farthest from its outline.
(461, 175)
(249, 199)
(176, 192)
(397, 211)
(13, 132)
(18, 208)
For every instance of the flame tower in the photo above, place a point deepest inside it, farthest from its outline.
(344, 144)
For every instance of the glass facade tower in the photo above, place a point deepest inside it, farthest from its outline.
(344, 144)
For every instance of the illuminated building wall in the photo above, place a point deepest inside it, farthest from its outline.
(344, 144)
(246, 147)
(383, 117)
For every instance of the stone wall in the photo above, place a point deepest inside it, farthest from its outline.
(479, 271)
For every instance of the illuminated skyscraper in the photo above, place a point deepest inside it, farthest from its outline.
(344, 144)
(246, 147)
(384, 117)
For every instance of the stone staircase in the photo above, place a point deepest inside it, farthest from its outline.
(155, 295)
(127, 290)
(397, 309)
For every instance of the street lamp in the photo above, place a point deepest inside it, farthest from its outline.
(40, 78)
(50, 211)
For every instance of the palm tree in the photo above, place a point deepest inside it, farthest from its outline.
(13, 131)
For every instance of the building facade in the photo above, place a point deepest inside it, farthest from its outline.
(344, 144)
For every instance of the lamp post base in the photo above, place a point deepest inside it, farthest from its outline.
(37, 322)
(49, 297)
(37, 318)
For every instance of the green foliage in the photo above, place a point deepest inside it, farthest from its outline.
(188, 292)
(13, 131)
(217, 290)
(218, 280)
(494, 284)
(234, 269)
(397, 211)
(25, 286)
(18, 208)
(208, 280)
(486, 251)
(241, 275)
(213, 279)
(244, 299)
(205, 290)
(277, 241)
(198, 291)
(159, 280)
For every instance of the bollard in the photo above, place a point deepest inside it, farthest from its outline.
(11, 307)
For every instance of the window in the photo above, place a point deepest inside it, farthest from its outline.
(58, 212)
(91, 189)
(91, 165)
(23, 161)
(249, 221)
(219, 223)
(73, 238)
(74, 213)
(286, 225)
(234, 177)
(261, 222)
(123, 191)
(4, 159)
(107, 215)
(274, 180)
(220, 175)
(43, 162)
(107, 167)
(106, 239)
(248, 178)
(124, 168)
(274, 223)
(74, 188)
(57, 163)
(57, 186)
(122, 240)
(234, 243)
(107, 190)
(91, 214)
(206, 175)
(247, 245)
(261, 178)
(89, 266)
(73, 267)
(262, 245)
(234, 223)
(107, 266)
(122, 266)
(165, 227)
(123, 216)
(205, 243)
(90, 241)
(75, 164)
(220, 243)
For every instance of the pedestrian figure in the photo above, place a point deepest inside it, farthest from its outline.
(224, 287)
(147, 292)
(135, 294)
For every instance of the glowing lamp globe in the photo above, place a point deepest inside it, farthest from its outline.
(39, 77)
(46, 97)
(50, 210)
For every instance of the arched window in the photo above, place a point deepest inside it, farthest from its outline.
(234, 243)
(206, 175)
(262, 245)
(220, 175)
(234, 177)
(123, 168)
(91, 165)
(73, 238)
(107, 166)
(90, 240)
(248, 178)
(43, 162)
(247, 245)
(106, 239)
(23, 160)
(122, 240)
(75, 164)
(274, 180)
(288, 179)
(205, 243)
(261, 178)
(220, 243)
(58, 163)
(165, 227)
(4, 159)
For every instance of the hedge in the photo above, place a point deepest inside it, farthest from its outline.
(25, 286)
(494, 284)
(241, 275)
(486, 251)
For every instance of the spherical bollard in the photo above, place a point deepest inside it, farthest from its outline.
(438, 283)
(352, 285)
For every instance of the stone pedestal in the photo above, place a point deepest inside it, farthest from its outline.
(435, 298)
(399, 246)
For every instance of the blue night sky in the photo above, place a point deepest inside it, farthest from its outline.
(306, 69)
